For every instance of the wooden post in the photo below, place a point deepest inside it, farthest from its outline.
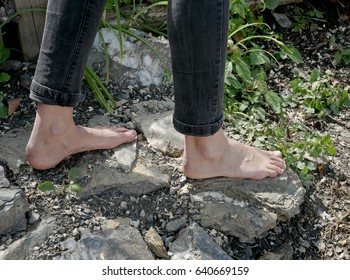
(30, 26)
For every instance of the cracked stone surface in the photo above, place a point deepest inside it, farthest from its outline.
(246, 208)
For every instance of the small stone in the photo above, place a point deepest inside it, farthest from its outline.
(339, 249)
(342, 242)
(142, 213)
(135, 223)
(26, 81)
(320, 245)
(177, 224)
(155, 243)
(123, 205)
(184, 190)
(76, 232)
(33, 218)
(302, 249)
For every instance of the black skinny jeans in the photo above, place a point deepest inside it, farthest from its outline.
(197, 31)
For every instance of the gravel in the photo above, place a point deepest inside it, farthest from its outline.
(320, 231)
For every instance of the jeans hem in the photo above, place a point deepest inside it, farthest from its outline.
(198, 130)
(49, 96)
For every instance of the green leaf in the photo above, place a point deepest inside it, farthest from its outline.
(74, 174)
(4, 54)
(235, 83)
(261, 85)
(272, 4)
(274, 100)
(243, 70)
(4, 77)
(239, 9)
(338, 57)
(46, 186)
(294, 54)
(331, 150)
(75, 188)
(315, 75)
(311, 166)
(3, 111)
(258, 57)
(301, 165)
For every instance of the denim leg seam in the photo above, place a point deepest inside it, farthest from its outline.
(218, 62)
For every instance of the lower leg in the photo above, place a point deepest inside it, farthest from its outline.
(198, 33)
(55, 137)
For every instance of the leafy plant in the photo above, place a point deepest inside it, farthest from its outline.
(74, 174)
(319, 94)
(300, 147)
(304, 17)
(342, 57)
(252, 47)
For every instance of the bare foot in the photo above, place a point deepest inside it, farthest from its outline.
(219, 156)
(55, 137)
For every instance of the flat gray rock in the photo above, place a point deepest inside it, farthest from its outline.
(13, 207)
(22, 248)
(246, 208)
(117, 240)
(194, 243)
(144, 177)
(12, 147)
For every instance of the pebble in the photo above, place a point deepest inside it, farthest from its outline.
(76, 232)
(123, 205)
(177, 224)
(142, 213)
(36, 248)
(33, 218)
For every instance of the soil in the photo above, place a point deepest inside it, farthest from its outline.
(320, 231)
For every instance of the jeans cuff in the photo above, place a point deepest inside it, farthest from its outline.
(198, 130)
(49, 96)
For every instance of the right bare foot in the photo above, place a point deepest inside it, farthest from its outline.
(219, 156)
(55, 137)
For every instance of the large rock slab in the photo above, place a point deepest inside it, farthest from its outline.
(22, 248)
(246, 208)
(193, 243)
(117, 240)
(13, 208)
(155, 121)
(143, 176)
(12, 147)
(139, 65)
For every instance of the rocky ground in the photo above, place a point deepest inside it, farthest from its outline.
(147, 189)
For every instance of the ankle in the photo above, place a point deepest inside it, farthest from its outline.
(209, 148)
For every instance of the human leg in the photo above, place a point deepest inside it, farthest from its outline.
(198, 40)
(70, 29)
